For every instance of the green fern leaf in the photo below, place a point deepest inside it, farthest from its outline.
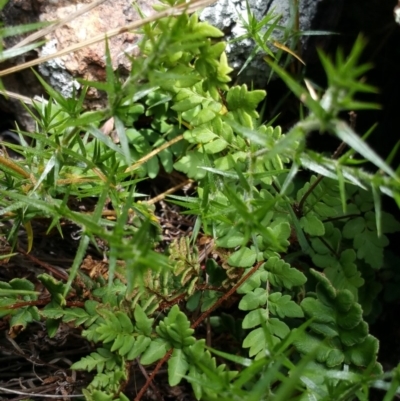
(253, 282)
(142, 322)
(20, 320)
(364, 353)
(283, 306)
(178, 365)
(254, 299)
(282, 275)
(325, 352)
(155, 351)
(343, 274)
(312, 225)
(244, 257)
(96, 360)
(76, 315)
(257, 342)
(190, 163)
(140, 345)
(238, 97)
(56, 288)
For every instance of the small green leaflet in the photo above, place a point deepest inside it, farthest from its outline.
(281, 274)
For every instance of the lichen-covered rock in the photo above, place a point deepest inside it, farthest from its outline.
(228, 14)
(89, 62)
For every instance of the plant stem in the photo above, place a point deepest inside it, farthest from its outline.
(195, 324)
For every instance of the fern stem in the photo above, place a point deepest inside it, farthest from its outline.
(194, 325)
(310, 190)
(226, 295)
(153, 374)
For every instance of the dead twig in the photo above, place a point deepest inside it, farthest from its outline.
(162, 196)
(28, 394)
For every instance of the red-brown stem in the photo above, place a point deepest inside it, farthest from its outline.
(56, 273)
(194, 325)
(226, 295)
(153, 387)
(150, 379)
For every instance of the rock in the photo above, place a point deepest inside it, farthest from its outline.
(227, 14)
(87, 63)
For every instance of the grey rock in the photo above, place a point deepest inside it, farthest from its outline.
(55, 72)
(227, 15)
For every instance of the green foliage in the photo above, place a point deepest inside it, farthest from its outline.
(337, 316)
(13, 31)
(309, 250)
(18, 290)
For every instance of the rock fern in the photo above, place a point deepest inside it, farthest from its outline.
(296, 256)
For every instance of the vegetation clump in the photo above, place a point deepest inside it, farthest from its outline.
(292, 259)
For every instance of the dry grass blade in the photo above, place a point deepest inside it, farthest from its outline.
(190, 7)
(24, 99)
(153, 153)
(170, 191)
(287, 50)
